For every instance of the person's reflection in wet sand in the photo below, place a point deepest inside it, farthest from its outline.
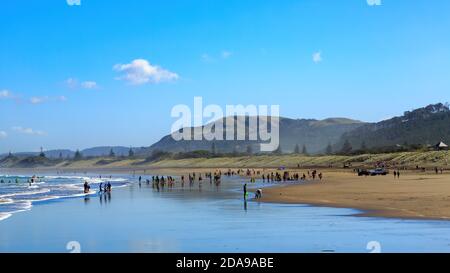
(245, 204)
(86, 200)
(108, 195)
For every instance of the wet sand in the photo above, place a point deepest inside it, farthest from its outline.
(415, 195)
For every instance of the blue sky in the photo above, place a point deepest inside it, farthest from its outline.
(69, 76)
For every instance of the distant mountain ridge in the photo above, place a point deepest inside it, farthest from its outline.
(89, 152)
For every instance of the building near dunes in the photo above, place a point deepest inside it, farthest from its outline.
(441, 146)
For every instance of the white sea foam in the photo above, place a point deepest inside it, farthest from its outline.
(5, 201)
(4, 216)
(48, 189)
(24, 193)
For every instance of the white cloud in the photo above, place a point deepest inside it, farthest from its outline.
(38, 100)
(226, 54)
(74, 2)
(317, 57)
(71, 83)
(206, 58)
(89, 85)
(5, 94)
(3, 134)
(140, 71)
(374, 2)
(28, 131)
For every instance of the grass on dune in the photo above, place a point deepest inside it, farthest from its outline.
(423, 159)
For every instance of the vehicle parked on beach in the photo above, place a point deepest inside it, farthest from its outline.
(379, 171)
(375, 172)
(363, 172)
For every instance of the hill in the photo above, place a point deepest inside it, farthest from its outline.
(425, 126)
(314, 134)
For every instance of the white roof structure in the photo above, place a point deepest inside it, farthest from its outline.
(441, 145)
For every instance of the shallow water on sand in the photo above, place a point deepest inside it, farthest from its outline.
(139, 218)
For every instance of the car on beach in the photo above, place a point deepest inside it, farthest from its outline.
(375, 172)
(363, 173)
(379, 171)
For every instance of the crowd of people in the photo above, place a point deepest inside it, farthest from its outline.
(30, 181)
(286, 176)
(159, 182)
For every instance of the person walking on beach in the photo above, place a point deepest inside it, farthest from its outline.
(398, 174)
(86, 187)
(100, 188)
(395, 174)
(245, 191)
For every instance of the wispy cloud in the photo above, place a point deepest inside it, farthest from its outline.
(206, 58)
(374, 2)
(6, 94)
(74, 2)
(28, 131)
(73, 83)
(317, 57)
(3, 134)
(89, 85)
(226, 54)
(39, 100)
(140, 71)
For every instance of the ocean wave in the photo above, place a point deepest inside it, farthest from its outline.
(4, 216)
(5, 201)
(25, 193)
(20, 197)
